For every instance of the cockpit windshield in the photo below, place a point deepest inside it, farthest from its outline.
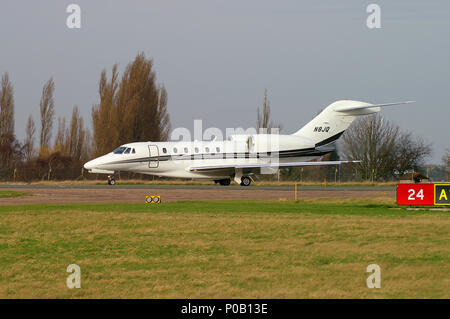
(119, 150)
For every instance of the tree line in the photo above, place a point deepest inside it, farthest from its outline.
(131, 108)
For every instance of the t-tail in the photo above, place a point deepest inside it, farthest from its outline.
(332, 122)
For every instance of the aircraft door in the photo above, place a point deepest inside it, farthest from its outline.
(154, 156)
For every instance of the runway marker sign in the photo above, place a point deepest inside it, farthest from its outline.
(423, 194)
(442, 194)
(153, 199)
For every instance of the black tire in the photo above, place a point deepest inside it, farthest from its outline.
(245, 181)
(225, 182)
(112, 181)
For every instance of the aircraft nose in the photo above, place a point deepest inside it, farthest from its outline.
(95, 163)
(89, 165)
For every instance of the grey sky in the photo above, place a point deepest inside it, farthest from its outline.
(216, 57)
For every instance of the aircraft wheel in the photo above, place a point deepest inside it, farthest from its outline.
(225, 182)
(111, 180)
(245, 181)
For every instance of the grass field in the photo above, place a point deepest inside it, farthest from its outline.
(4, 194)
(246, 249)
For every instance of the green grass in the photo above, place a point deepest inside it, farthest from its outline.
(323, 206)
(243, 249)
(5, 194)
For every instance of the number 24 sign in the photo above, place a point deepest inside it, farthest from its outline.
(423, 194)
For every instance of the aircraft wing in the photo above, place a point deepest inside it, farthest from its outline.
(261, 165)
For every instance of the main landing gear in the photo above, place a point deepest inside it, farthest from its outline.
(111, 180)
(245, 181)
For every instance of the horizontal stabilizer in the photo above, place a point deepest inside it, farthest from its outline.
(344, 108)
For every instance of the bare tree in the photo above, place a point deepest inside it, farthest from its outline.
(139, 106)
(104, 120)
(76, 137)
(411, 153)
(30, 131)
(163, 116)
(385, 152)
(47, 108)
(9, 147)
(264, 117)
(70, 141)
(6, 107)
(60, 140)
(133, 110)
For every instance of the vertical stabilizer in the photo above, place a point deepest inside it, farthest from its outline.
(332, 122)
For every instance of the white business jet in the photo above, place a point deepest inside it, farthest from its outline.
(241, 156)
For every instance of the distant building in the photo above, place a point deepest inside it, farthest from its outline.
(414, 177)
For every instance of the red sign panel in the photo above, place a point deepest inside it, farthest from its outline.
(415, 194)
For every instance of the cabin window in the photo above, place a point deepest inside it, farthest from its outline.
(207, 149)
(119, 150)
(175, 150)
(133, 151)
(164, 150)
(186, 150)
(218, 149)
(127, 151)
(196, 150)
